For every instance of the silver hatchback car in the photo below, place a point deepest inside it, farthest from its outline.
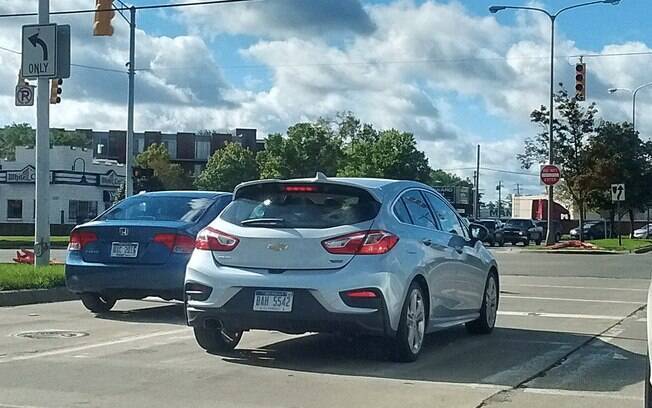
(356, 256)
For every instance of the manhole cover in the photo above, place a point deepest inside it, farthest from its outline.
(52, 334)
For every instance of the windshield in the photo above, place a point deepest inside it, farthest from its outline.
(286, 206)
(159, 208)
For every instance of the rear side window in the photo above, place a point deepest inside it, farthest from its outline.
(159, 208)
(401, 212)
(446, 216)
(316, 205)
(418, 209)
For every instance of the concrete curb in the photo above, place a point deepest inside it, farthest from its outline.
(577, 251)
(643, 250)
(33, 296)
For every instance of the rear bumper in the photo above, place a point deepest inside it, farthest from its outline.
(307, 315)
(511, 236)
(127, 281)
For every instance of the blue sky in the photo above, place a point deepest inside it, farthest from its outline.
(448, 71)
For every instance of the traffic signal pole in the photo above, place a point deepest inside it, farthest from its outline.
(42, 211)
(130, 109)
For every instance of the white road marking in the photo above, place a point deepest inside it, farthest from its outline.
(573, 287)
(91, 346)
(571, 299)
(584, 394)
(18, 406)
(560, 315)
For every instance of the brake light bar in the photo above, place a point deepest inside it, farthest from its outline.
(211, 239)
(299, 189)
(373, 242)
(361, 294)
(79, 239)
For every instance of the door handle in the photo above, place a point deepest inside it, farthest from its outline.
(426, 242)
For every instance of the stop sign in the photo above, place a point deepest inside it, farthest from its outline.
(550, 174)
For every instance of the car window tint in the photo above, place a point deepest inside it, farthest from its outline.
(446, 216)
(401, 212)
(290, 205)
(418, 209)
(159, 208)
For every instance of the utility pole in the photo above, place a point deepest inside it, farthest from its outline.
(476, 190)
(518, 189)
(42, 224)
(499, 187)
(129, 185)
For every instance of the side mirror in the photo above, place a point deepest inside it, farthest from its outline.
(479, 232)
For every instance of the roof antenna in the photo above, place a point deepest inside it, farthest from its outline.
(320, 176)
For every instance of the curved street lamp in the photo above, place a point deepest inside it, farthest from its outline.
(550, 237)
(634, 93)
(83, 178)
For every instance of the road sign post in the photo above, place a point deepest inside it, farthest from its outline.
(550, 175)
(618, 195)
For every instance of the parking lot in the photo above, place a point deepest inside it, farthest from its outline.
(570, 333)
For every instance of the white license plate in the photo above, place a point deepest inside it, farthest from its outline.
(273, 301)
(124, 249)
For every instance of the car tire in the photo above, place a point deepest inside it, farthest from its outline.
(501, 243)
(648, 387)
(526, 242)
(412, 327)
(538, 241)
(216, 340)
(489, 310)
(97, 303)
(558, 237)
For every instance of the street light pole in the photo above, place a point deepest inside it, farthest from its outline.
(550, 236)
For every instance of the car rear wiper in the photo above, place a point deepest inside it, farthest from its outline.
(263, 221)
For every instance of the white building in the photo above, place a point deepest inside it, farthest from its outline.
(80, 187)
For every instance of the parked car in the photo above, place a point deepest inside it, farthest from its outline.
(139, 247)
(645, 232)
(358, 256)
(495, 236)
(523, 231)
(544, 228)
(592, 230)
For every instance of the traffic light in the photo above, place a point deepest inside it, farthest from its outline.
(580, 81)
(55, 91)
(103, 15)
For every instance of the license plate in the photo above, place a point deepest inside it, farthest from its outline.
(124, 249)
(273, 301)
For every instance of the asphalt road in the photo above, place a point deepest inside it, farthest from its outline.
(571, 333)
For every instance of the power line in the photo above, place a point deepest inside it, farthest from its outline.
(147, 7)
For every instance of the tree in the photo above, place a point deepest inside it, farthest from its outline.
(440, 177)
(571, 131)
(69, 138)
(307, 149)
(618, 155)
(167, 176)
(16, 134)
(228, 167)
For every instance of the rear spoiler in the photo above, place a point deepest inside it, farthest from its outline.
(319, 178)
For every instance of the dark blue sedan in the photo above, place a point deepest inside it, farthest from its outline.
(139, 247)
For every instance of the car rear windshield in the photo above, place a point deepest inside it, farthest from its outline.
(489, 224)
(519, 223)
(159, 208)
(316, 205)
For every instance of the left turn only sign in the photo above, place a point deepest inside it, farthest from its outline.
(39, 51)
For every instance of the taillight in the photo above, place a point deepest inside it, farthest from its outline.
(210, 239)
(361, 294)
(177, 243)
(361, 243)
(79, 239)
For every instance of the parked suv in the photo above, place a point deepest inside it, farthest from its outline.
(523, 231)
(495, 236)
(380, 257)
